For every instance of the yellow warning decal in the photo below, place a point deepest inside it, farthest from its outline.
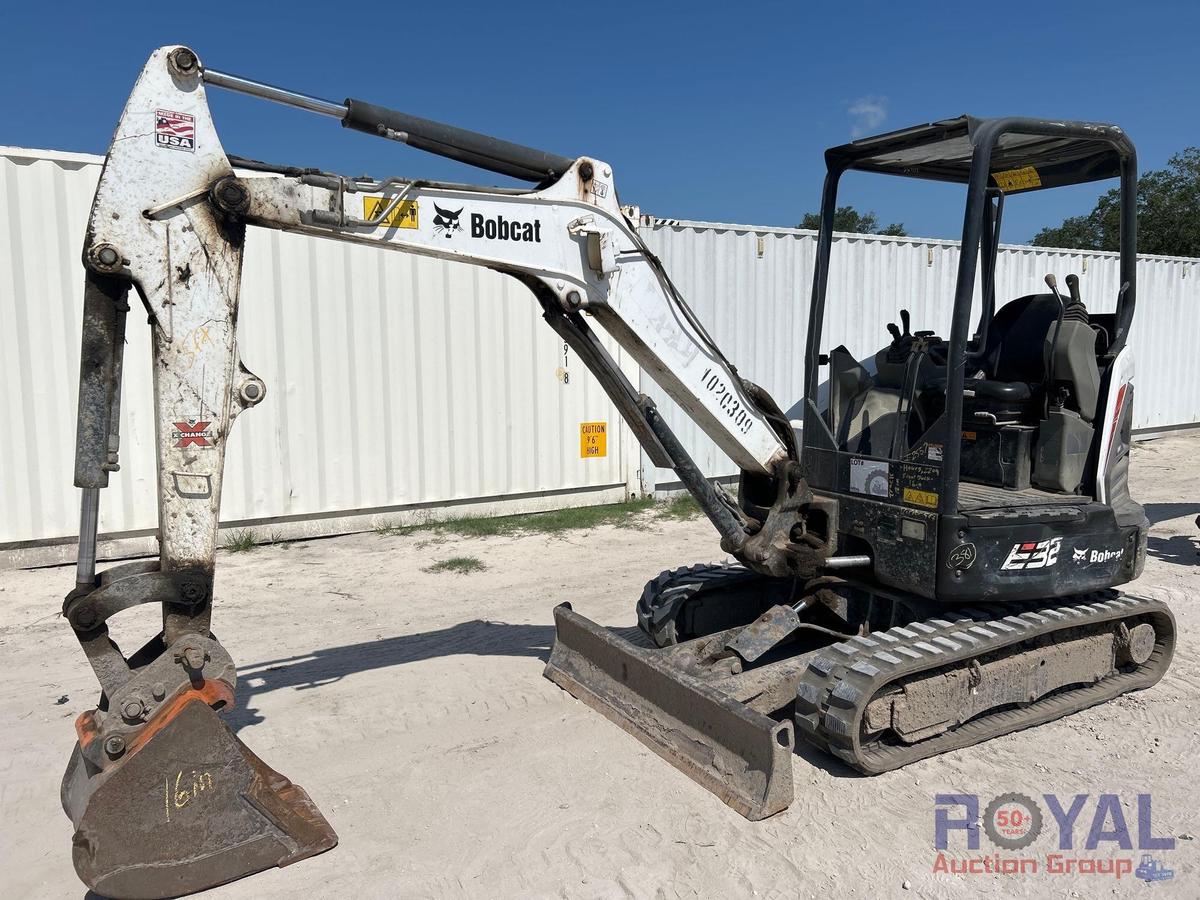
(921, 498)
(593, 439)
(403, 216)
(1022, 179)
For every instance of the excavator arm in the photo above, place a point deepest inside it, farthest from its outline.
(164, 798)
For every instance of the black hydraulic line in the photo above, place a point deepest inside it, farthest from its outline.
(257, 165)
(770, 409)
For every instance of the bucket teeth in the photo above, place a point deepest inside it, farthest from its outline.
(188, 809)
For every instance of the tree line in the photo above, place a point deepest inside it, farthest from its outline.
(1168, 214)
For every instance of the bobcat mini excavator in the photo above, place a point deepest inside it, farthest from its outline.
(932, 568)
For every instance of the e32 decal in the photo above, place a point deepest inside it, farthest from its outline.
(1032, 555)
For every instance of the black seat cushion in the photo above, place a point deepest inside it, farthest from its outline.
(986, 389)
(1001, 391)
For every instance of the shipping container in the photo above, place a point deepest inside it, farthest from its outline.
(402, 387)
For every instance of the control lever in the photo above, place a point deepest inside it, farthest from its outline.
(1051, 349)
(905, 320)
(1052, 283)
(894, 331)
(1073, 287)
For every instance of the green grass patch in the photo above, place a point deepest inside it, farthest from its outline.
(622, 515)
(244, 539)
(627, 514)
(276, 539)
(461, 565)
(553, 522)
(681, 506)
(240, 541)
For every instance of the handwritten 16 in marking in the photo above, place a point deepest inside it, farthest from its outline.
(201, 782)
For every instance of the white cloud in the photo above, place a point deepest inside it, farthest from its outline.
(867, 114)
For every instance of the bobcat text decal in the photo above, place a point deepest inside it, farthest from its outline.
(502, 229)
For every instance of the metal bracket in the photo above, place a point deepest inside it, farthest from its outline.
(601, 249)
(184, 595)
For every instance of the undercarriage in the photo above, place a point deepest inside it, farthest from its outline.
(875, 679)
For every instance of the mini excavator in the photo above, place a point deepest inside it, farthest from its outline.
(932, 565)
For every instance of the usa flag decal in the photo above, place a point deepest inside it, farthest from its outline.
(175, 130)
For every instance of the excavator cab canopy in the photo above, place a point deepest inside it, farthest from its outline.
(995, 158)
(1060, 153)
(1009, 405)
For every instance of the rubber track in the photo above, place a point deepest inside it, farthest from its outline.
(839, 683)
(683, 584)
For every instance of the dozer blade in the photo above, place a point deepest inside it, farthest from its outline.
(741, 755)
(186, 807)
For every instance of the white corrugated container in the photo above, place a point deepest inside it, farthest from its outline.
(752, 286)
(394, 383)
(376, 363)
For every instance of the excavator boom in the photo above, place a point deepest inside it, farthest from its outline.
(164, 797)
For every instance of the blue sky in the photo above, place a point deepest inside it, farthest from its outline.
(716, 111)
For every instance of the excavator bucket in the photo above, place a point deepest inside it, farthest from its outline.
(736, 752)
(185, 807)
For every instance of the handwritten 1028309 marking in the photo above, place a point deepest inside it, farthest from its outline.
(184, 791)
(728, 401)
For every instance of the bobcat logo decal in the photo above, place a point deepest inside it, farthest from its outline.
(445, 222)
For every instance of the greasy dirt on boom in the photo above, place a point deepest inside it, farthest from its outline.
(843, 680)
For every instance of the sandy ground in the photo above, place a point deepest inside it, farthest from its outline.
(412, 708)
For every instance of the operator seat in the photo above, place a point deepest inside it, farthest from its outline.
(1014, 360)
